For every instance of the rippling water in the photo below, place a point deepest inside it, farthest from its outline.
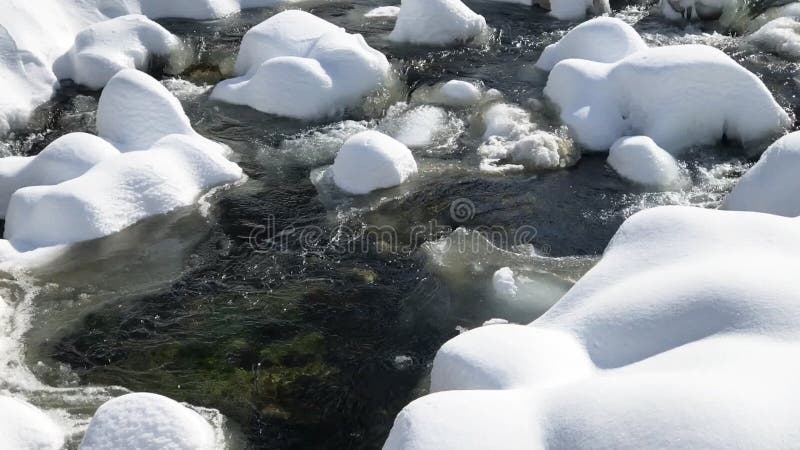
(319, 340)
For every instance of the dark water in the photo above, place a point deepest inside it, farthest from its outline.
(297, 342)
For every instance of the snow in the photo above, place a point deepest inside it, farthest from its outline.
(772, 185)
(642, 161)
(144, 421)
(671, 341)
(146, 109)
(567, 9)
(103, 49)
(677, 95)
(383, 12)
(460, 93)
(297, 65)
(372, 160)
(25, 427)
(780, 36)
(698, 9)
(93, 187)
(437, 22)
(603, 39)
(504, 285)
(67, 157)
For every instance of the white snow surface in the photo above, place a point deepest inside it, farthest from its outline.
(642, 161)
(773, 184)
(459, 93)
(671, 341)
(504, 285)
(143, 421)
(602, 39)
(383, 12)
(25, 427)
(437, 22)
(297, 65)
(371, 160)
(96, 186)
(677, 95)
(103, 49)
(780, 36)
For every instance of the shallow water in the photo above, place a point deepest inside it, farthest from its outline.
(290, 309)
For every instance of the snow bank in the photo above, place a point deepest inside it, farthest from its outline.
(147, 421)
(25, 427)
(671, 341)
(105, 48)
(297, 65)
(437, 22)
(772, 185)
(780, 36)
(90, 190)
(68, 157)
(371, 160)
(603, 39)
(677, 95)
(640, 160)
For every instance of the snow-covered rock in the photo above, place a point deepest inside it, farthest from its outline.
(371, 160)
(145, 421)
(504, 285)
(642, 161)
(437, 22)
(677, 95)
(383, 12)
(103, 49)
(68, 157)
(697, 9)
(772, 185)
(135, 111)
(602, 39)
(86, 186)
(459, 93)
(780, 36)
(297, 65)
(671, 341)
(25, 427)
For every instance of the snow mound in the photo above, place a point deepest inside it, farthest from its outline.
(603, 39)
(135, 111)
(772, 185)
(371, 160)
(437, 22)
(640, 160)
(677, 95)
(504, 285)
(68, 157)
(89, 189)
(297, 65)
(671, 341)
(25, 427)
(105, 48)
(145, 421)
(383, 12)
(780, 36)
(460, 93)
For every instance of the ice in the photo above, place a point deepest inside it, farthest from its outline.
(143, 421)
(25, 427)
(640, 160)
(297, 65)
(772, 185)
(677, 95)
(438, 22)
(671, 341)
(383, 12)
(603, 39)
(103, 49)
(372, 160)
